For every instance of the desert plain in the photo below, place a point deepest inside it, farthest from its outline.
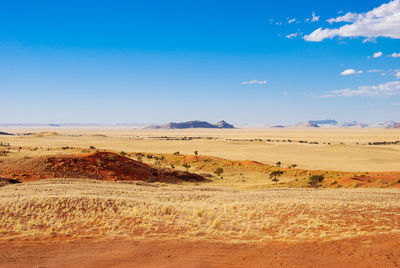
(124, 197)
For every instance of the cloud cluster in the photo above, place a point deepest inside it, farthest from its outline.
(377, 54)
(383, 21)
(314, 18)
(254, 82)
(383, 90)
(351, 72)
(396, 55)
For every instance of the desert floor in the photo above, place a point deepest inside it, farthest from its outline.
(239, 220)
(337, 149)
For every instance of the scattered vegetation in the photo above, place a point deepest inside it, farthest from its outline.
(219, 171)
(315, 180)
(274, 175)
(187, 166)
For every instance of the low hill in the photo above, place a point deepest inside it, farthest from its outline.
(100, 166)
(192, 124)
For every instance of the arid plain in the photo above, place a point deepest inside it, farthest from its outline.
(77, 205)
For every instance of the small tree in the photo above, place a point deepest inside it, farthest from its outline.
(187, 166)
(219, 171)
(122, 153)
(172, 166)
(315, 180)
(176, 153)
(196, 153)
(278, 164)
(92, 147)
(275, 174)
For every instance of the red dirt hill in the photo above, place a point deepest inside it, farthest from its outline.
(100, 165)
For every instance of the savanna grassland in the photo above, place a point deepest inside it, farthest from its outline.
(120, 197)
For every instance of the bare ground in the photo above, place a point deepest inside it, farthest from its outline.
(377, 251)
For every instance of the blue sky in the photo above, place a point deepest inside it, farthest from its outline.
(158, 61)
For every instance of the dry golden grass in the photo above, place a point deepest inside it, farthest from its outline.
(82, 208)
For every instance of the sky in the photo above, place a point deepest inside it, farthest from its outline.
(247, 62)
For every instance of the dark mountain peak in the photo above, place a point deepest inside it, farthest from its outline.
(223, 124)
(192, 124)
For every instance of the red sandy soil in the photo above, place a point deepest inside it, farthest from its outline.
(377, 251)
(100, 165)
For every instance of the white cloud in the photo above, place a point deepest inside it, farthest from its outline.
(377, 54)
(349, 17)
(383, 90)
(398, 75)
(374, 71)
(383, 21)
(396, 55)
(293, 35)
(285, 93)
(254, 82)
(314, 18)
(351, 72)
(291, 20)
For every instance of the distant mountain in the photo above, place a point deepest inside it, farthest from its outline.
(324, 122)
(192, 124)
(307, 124)
(7, 134)
(384, 124)
(223, 124)
(352, 124)
(396, 125)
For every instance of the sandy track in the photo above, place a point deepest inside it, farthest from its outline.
(378, 251)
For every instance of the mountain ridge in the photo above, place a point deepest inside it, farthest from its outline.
(193, 124)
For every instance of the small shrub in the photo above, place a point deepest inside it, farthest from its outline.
(219, 171)
(278, 164)
(187, 166)
(151, 180)
(92, 147)
(275, 174)
(315, 180)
